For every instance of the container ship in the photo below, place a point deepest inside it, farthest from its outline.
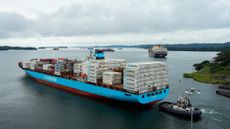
(158, 51)
(114, 79)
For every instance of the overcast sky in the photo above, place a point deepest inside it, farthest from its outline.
(85, 22)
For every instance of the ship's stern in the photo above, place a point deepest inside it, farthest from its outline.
(153, 97)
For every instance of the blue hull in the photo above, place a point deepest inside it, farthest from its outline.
(145, 98)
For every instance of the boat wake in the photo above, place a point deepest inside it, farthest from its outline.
(209, 111)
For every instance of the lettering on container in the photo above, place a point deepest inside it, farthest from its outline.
(52, 79)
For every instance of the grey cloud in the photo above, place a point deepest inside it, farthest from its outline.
(204, 14)
(12, 23)
(136, 17)
(121, 16)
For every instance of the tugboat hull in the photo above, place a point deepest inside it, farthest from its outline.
(168, 107)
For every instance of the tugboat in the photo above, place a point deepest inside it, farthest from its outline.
(158, 51)
(183, 106)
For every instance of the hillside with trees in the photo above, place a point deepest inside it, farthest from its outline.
(16, 48)
(181, 46)
(215, 71)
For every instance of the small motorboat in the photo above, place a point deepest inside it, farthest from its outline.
(181, 108)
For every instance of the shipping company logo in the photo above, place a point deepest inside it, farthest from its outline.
(52, 79)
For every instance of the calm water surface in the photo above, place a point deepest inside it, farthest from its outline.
(27, 104)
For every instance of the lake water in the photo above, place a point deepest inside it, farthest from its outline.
(28, 104)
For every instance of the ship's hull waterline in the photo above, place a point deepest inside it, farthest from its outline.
(97, 91)
(158, 55)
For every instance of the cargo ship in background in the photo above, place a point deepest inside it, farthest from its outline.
(158, 51)
(56, 48)
(141, 83)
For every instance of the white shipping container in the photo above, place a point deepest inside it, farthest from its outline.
(57, 73)
(111, 78)
(143, 91)
(32, 66)
(144, 75)
(77, 68)
(94, 80)
(96, 68)
(46, 66)
(26, 64)
(116, 63)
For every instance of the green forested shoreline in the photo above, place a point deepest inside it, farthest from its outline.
(216, 71)
(17, 48)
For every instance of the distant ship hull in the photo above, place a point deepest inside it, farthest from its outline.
(97, 91)
(158, 55)
(158, 51)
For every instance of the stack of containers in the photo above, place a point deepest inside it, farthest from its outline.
(95, 70)
(111, 78)
(33, 63)
(77, 67)
(59, 67)
(43, 64)
(116, 63)
(38, 66)
(69, 66)
(85, 66)
(162, 77)
(53, 61)
(81, 66)
(46, 61)
(26, 64)
(145, 77)
(47, 67)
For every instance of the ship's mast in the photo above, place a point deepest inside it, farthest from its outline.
(191, 92)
